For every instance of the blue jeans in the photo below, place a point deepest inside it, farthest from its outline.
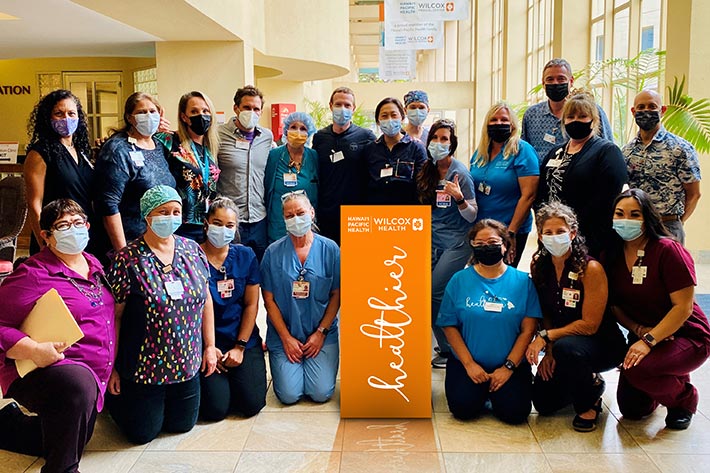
(254, 236)
(444, 264)
(312, 377)
(142, 411)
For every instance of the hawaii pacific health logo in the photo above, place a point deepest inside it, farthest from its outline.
(449, 7)
(417, 224)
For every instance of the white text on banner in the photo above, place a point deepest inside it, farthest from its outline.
(417, 10)
(405, 35)
(398, 64)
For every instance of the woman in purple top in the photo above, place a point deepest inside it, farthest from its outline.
(580, 337)
(67, 390)
(651, 290)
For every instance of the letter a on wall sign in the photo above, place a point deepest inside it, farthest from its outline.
(385, 322)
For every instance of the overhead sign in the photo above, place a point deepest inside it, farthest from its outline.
(398, 64)
(415, 11)
(400, 34)
(385, 322)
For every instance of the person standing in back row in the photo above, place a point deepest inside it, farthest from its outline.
(341, 176)
(541, 122)
(243, 150)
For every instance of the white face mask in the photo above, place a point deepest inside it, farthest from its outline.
(298, 225)
(557, 245)
(248, 119)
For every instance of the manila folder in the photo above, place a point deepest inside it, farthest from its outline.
(49, 321)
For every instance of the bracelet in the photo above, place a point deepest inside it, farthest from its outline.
(459, 202)
(241, 343)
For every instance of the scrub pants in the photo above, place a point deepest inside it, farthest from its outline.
(241, 389)
(577, 358)
(64, 399)
(444, 264)
(511, 402)
(254, 235)
(312, 377)
(662, 377)
(142, 411)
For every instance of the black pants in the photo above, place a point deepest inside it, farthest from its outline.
(511, 402)
(142, 411)
(577, 358)
(64, 399)
(241, 389)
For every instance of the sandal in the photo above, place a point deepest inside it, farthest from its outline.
(587, 425)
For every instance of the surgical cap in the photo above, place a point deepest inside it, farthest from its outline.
(416, 96)
(303, 118)
(157, 196)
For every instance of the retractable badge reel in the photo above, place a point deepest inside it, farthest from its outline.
(301, 288)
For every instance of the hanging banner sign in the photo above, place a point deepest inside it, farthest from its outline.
(405, 35)
(415, 11)
(385, 322)
(398, 64)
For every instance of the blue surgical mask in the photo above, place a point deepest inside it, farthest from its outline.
(71, 241)
(220, 237)
(438, 151)
(391, 127)
(416, 116)
(628, 229)
(557, 245)
(147, 123)
(299, 225)
(342, 115)
(165, 225)
(65, 126)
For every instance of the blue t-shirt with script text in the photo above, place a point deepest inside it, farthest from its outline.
(489, 334)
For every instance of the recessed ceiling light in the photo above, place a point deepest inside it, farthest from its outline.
(5, 16)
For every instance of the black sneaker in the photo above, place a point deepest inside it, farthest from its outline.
(439, 362)
(678, 418)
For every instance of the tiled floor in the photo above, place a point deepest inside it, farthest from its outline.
(312, 438)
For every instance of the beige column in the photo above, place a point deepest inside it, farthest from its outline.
(217, 68)
(688, 53)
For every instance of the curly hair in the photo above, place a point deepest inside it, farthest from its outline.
(541, 266)
(39, 126)
(428, 177)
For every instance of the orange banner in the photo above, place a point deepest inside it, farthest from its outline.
(385, 322)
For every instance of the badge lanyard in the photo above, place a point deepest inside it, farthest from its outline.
(638, 272)
(571, 295)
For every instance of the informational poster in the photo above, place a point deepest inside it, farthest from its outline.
(8, 152)
(400, 34)
(398, 64)
(385, 322)
(415, 11)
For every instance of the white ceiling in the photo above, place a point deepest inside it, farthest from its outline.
(61, 28)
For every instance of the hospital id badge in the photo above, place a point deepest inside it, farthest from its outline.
(290, 179)
(638, 273)
(239, 144)
(386, 172)
(490, 306)
(554, 163)
(175, 289)
(337, 156)
(137, 158)
(225, 288)
(484, 188)
(570, 296)
(301, 289)
(550, 138)
(443, 200)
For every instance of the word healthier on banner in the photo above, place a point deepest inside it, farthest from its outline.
(390, 325)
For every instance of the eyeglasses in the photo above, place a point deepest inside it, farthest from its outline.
(292, 194)
(62, 226)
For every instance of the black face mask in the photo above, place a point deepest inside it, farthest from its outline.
(499, 132)
(647, 119)
(557, 92)
(488, 254)
(578, 130)
(199, 124)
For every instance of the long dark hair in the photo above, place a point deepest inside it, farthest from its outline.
(39, 127)
(541, 266)
(428, 177)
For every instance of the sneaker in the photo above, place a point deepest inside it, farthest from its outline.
(439, 362)
(678, 418)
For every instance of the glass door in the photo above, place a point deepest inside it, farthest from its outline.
(100, 95)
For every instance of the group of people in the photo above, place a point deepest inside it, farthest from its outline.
(161, 246)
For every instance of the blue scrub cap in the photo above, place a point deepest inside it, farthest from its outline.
(303, 118)
(416, 96)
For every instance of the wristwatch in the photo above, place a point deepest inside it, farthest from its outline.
(543, 334)
(509, 364)
(323, 330)
(459, 202)
(649, 339)
(241, 343)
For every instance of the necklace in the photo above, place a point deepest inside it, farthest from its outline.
(95, 292)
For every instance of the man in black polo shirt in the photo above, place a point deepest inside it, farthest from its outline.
(342, 174)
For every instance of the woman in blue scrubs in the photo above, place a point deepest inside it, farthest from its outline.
(300, 275)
